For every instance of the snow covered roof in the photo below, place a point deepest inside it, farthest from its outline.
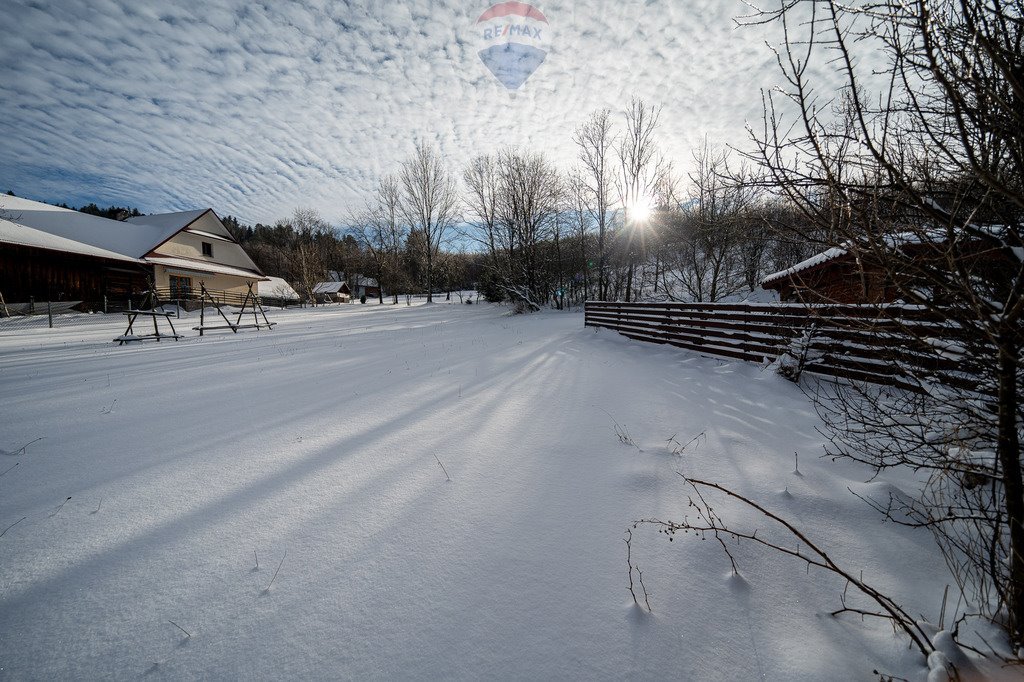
(330, 287)
(32, 223)
(189, 266)
(127, 239)
(23, 235)
(276, 287)
(817, 259)
(365, 281)
(173, 222)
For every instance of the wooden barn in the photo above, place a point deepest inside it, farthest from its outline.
(833, 276)
(838, 276)
(58, 254)
(332, 292)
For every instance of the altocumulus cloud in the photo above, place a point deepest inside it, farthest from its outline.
(256, 108)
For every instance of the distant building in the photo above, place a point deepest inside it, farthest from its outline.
(59, 254)
(839, 276)
(366, 286)
(276, 291)
(833, 276)
(332, 292)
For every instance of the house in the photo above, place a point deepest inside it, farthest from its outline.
(332, 292)
(833, 276)
(52, 253)
(276, 291)
(366, 286)
(838, 275)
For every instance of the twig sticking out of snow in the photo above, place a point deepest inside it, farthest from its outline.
(621, 432)
(187, 633)
(257, 559)
(678, 448)
(10, 467)
(13, 525)
(23, 448)
(110, 408)
(796, 464)
(635, 567)
(61, 506)
(442, 468)
(708, 523)
(276, 572)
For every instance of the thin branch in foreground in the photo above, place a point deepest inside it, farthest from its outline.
(709, 522)
(22, 450)
(442, 468)
(267, 589)
(635, 567)
(13, 525)
(57, 511)
(187, 633)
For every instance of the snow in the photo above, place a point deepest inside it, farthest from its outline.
(817, 259)
(276, 287)
(166, 471)
(124, 238)
(202, 267)
(171, 223)
(15, 233)
(329, 287)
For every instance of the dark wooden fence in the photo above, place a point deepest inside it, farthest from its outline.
(879, 344)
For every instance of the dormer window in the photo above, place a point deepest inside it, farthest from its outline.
(208, 249)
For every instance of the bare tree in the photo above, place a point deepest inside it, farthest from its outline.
(642, 174)
(308, 252)
(577, 197)
(429, 203)
(381, 233)
(707, 236)
(596, 140)
(919, 176)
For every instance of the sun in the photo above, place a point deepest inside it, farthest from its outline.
(641, 210)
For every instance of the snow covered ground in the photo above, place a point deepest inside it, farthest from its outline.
(166, 471)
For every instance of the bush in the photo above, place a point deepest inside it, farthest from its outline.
(362, 299)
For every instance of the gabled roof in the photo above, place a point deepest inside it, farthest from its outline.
(814, 261)
(329, 287)
(22, 235)
(127, 239)
(32, 223)
(170, 221)
(276, 287)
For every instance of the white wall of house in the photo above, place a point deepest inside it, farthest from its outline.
(186, 244)
(213, 281)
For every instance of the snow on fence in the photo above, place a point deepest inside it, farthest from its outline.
(890, 344)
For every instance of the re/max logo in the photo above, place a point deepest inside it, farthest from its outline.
(512, 30)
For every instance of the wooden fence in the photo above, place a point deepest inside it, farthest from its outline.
(878, 344)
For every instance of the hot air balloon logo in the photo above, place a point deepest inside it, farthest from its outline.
(514, 40)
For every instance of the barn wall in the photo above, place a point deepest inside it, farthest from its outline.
(27, 272)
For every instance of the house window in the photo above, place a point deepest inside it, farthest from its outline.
(181, 287)
(208, 249)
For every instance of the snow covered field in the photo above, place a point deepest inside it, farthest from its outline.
(166, 471)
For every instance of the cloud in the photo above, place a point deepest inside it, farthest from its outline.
(257, 108)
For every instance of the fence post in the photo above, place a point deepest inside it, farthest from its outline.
(31, 305)
(49, 314)
(104, 304)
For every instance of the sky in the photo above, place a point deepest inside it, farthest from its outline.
(257, 108)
